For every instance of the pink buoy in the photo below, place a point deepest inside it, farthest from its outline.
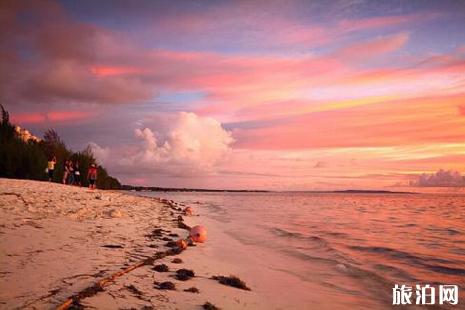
(198, 234)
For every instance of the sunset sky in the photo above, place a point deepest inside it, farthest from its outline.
(286, 95)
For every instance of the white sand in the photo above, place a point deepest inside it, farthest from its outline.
(52, 239)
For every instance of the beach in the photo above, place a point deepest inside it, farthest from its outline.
(64, 245)
(58, 241)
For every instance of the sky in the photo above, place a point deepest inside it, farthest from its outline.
(281, 95)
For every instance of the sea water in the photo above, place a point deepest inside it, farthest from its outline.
(344, 250)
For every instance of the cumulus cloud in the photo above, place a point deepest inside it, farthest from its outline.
(442, 178)
(193, 145)
(100, 153)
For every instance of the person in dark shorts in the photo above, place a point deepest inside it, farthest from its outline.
(77, 173)
(51, 167)
(70, 180)
(92, 176)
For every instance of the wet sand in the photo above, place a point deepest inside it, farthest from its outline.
(63, 243)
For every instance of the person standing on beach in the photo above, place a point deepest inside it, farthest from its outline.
(65, 171)
(77, 174)
(70, 172)
(92, 176)
(51, 167)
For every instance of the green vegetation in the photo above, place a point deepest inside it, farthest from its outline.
(28, 159)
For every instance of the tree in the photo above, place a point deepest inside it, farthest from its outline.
(18, 158)
(7, 130)
(28, 159)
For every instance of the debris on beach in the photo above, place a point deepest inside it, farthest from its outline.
(112, 246)
(190, 242)
(171, 244)
(177, 260)
(210, 306)
(166, 286)
(173, 235)
(115, 213)
(174, 251)
(192, 290)
(134, 290)
(155, 234)
(166, 239)
(161, 268)
(184, 274)
(76, 306)
(198, 233)
(232, 281)
(182, 244)
(188, 211)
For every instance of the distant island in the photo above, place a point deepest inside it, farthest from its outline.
(367, 191)
(174, 189)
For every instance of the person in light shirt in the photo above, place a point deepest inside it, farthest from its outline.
(51, 167)
(77, 174)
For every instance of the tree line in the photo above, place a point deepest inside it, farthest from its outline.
(22, 159)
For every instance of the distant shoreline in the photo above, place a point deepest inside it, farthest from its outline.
(170, 189)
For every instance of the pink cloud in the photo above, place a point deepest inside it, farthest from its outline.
(104, 71)
(371, 23)
(52, 116)
(28, 118)
(376, 47)
(66, 116)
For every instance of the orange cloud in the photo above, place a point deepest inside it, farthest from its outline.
(390, 123)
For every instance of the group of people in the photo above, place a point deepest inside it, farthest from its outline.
(72, 172)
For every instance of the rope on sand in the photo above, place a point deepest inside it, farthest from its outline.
(98, 287)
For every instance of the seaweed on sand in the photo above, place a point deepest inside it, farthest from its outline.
(171, 244)
(134, 290)
(192, 290)
(177, 260)
(166, 286)
(210, 306)
(232, 281)
(161, 268)
(112, 246)
(155, 234)
(76, 306)
(184, 274)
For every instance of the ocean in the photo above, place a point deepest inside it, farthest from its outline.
(336, 250)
